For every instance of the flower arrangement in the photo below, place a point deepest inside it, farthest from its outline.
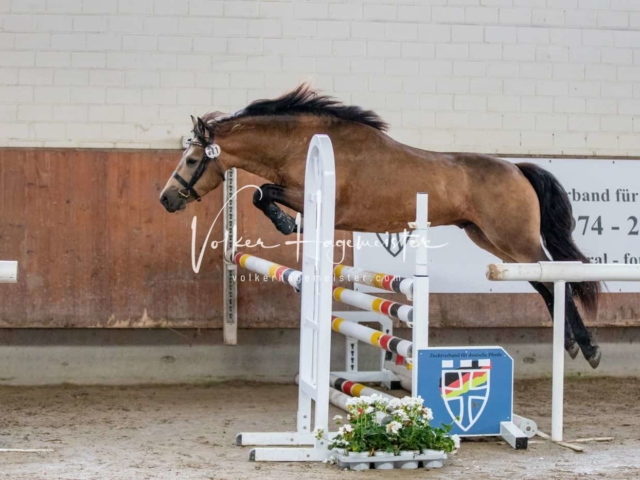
(404, 427)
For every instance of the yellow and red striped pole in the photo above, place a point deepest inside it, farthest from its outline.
(355, 389)
(391, 283)
(372, 337)
(265, 267)
(375, 304)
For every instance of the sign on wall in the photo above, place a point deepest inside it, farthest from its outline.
(605, 195)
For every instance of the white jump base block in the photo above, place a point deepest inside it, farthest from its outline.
(8, 271)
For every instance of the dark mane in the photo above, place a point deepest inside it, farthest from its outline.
(303, 100)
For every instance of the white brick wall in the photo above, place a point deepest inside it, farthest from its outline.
(505, 76)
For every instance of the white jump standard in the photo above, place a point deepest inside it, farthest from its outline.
(315, 319)
(560, 273)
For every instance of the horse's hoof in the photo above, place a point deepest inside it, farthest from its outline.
(573, 350)
(594, 360)
(287, 226)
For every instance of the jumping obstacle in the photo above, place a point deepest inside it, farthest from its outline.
(315, 383)
(560, 273)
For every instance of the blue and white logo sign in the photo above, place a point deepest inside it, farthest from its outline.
(470, 387)
(465, 389)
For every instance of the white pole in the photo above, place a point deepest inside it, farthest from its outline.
(557, 396)
(568, 271)
(420, 334)
(8, 271)
(230, 271)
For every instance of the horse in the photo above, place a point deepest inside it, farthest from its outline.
(513, 211)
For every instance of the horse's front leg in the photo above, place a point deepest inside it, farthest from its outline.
(267, 197)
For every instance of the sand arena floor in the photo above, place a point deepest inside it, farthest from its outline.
(188, 432)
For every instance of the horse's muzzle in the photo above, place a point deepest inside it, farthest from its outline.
(172, 203)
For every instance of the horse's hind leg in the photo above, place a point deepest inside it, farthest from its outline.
(519, 238)
(481, 240)
(266, 198)
(570, 344)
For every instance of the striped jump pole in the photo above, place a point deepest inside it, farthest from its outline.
(340, 400)
(364, 301)
(354, 389)
(293, 277)
(265, 267)
(391, 283)
(372, 337)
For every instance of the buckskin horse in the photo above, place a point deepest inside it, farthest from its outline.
(509, 210)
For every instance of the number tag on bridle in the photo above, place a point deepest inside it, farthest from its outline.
(212, 151)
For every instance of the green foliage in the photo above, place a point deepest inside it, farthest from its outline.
(405, 427)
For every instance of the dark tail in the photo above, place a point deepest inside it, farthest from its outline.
(556, 224)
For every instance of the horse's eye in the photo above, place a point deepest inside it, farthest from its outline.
(191, 161)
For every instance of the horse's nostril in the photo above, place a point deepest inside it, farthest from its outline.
(165, 200)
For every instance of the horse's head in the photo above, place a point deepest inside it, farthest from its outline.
(198, 172)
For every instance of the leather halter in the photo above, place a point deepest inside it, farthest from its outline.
(211, 153)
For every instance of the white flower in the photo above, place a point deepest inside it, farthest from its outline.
(427, 413)
(341, 442)
(379, 400)
(401, 414)
(369, 410)
(337, 418)
(456, 441)
(412, 402)
(394, 427)
(348, 428)
(358, 402)
(394, 404)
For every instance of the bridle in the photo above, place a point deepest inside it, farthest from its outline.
(211, 153)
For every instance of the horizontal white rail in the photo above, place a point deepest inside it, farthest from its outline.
(567, 271)
(8, 271)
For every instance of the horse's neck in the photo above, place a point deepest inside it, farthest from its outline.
(268, 149)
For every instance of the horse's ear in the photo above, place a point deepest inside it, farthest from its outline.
(202, 129)
(194, 121)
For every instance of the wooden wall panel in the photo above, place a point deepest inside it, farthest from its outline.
(96, 249)
(94, 245)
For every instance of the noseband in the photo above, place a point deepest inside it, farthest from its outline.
(211, 153)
